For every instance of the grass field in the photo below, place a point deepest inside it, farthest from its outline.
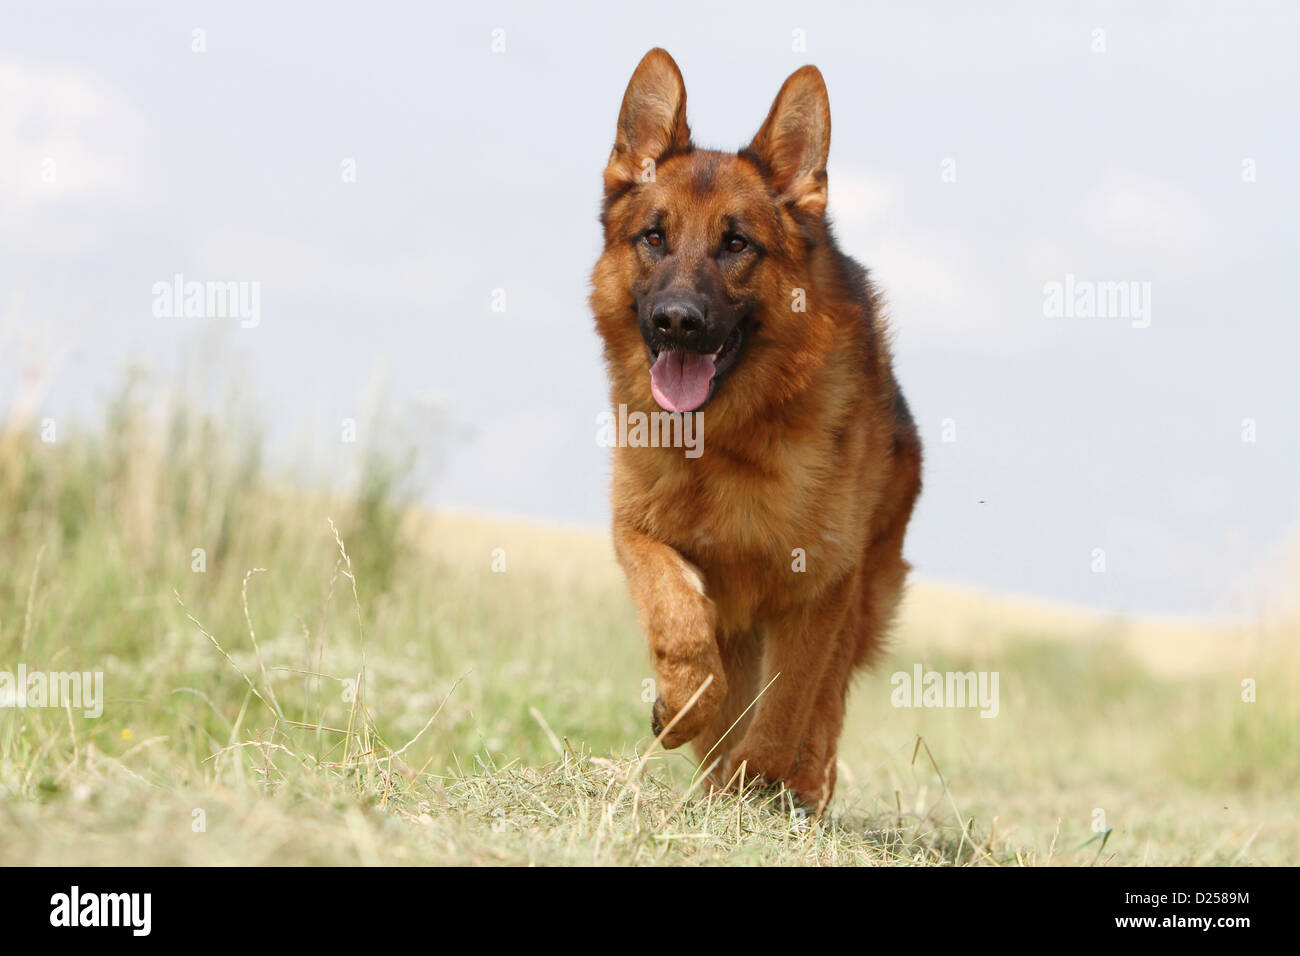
(384, 695)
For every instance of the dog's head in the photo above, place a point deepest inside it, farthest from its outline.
(707, 254)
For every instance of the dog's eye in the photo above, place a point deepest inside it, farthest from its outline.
(735, 244)
(654, 238)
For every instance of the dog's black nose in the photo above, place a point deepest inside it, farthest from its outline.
(678, 319)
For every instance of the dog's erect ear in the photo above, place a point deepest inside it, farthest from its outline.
(651, 122)
(796, 139)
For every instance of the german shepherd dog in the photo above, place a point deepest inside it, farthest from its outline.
(769, 567)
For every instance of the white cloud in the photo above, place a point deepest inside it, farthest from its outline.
(427, 278)
(945, 285)
(979, 286)
(1151, 224)
(293, 267)
(857, 197)
(72, 159)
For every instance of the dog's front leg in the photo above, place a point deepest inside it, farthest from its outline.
(681, 624)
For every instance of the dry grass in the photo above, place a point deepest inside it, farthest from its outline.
(382, 695)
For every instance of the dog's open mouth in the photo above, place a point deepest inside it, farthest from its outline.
(684, 381)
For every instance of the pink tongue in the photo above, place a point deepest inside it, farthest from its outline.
(680, 380)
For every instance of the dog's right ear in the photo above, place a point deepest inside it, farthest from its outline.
(651, 123)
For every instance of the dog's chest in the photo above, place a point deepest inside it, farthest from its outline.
(722, 511)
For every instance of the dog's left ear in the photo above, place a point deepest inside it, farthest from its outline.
(796, 139)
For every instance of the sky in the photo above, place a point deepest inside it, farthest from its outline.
(387, 175)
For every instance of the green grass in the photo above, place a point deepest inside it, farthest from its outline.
(500, 716)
